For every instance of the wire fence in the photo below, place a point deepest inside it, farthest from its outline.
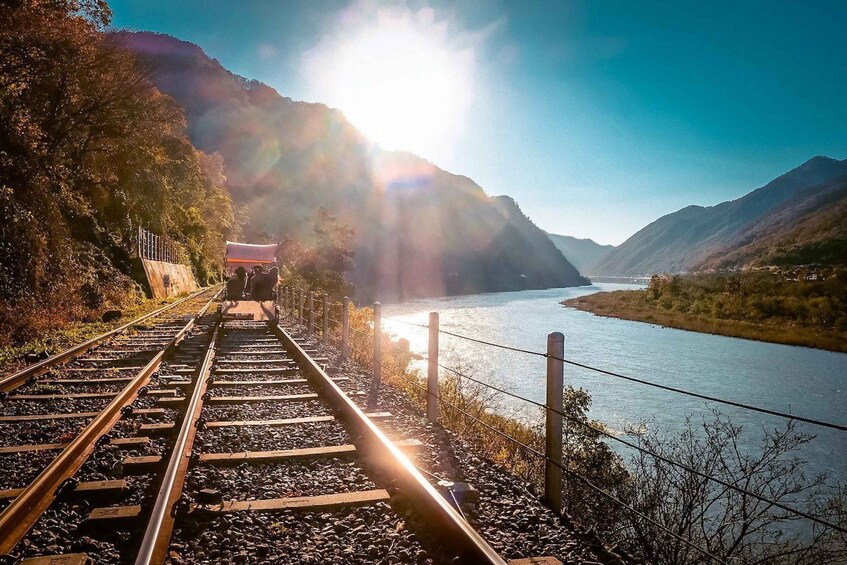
(736, 404)
(364, 339)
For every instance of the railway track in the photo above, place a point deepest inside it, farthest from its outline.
(239, 448)
(62, 418)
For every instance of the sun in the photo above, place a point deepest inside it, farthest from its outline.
(398, 79)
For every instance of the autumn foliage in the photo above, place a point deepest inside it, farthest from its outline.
(90, 149)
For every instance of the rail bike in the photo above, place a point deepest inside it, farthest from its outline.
(252, 283)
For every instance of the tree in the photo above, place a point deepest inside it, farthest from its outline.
(89, 149)
(321, 266)
(588, 455)
(730, 524)
(655, 286)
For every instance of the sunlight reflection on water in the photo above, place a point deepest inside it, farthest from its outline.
(786, 378)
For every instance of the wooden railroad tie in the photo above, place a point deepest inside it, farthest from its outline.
(141, 464)
(91, 488)
(265, 371)
(245, 399)
(123, 352)
(175, 381)
(156, 429)
(287, 421)
(296, 454)
(317, 503)
(260, 346)
(121, 367)
(219, 361)
(264, 398)
(39, 417)
(63, 396)
(161, 392)
(227, 353)
(111, 514)
(95, 369)
(124, 442)
(271, 382)
(105, 380)
(150, 412)
(229, 340)
(62, 559)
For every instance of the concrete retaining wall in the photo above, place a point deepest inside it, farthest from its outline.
(168, 279)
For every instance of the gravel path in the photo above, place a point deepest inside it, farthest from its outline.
(509, 516)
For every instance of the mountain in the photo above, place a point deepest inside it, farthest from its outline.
(696, 236)
(582, 253)
(809, 228)
(419, 230)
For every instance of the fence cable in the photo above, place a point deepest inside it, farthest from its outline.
(813, 421)
(750, 407)
(573, 474)
(677, 464)
(683, 466)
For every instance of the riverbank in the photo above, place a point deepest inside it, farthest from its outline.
(634, 305)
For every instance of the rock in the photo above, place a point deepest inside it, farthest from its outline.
(111, 316)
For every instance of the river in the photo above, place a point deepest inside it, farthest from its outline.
(799, 380)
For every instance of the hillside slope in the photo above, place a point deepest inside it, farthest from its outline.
(686, 239)
(581, 253)
(420, 231)
(810, 228)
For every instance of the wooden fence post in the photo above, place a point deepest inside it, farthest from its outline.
(345, 329)
(377, 376)
(432, 369)
(311, 311)
(325, 333)
(553, 430)
(301, 304)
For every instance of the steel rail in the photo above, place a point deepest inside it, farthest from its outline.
(15, 380)
(22, 514)
(157, 536)
(392, 464)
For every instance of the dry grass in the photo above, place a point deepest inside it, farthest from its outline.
(465, 407)
(57, 333)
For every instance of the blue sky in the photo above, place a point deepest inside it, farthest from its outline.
(597, 117)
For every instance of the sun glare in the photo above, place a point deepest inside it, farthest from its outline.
(397, 77)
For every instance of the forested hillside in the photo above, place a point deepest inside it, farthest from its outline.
(808, 229)
(695, 236)
(418, 230)
(89, 149)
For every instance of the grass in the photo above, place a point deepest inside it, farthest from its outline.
(631, 305)
(75, 333)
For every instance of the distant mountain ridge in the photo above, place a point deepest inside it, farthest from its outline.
(420, 231)
(697, 237)
(809, 228)
(582, 253)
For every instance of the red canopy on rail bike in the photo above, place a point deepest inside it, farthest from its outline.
(251, 287)
(249, 254)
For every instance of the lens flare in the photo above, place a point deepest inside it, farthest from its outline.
(397, 75)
